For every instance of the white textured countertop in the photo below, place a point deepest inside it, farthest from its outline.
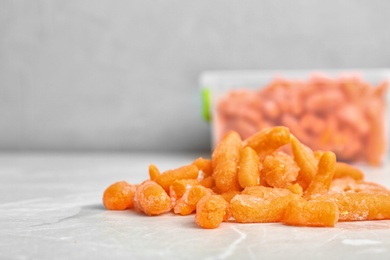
(50, 208)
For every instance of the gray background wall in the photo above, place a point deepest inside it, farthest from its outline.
(122, 75)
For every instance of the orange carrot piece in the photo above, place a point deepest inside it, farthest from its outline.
(267, 193)
(229, 195)
(323, 179)
(279, 170)
(300, 212)
(119, 196)
(253, 209)
(346, 170)
(184, 172)
(361, 205)
(225, 160)
(295, 188)
(204, 165)
(154, 172)
(152, 199)
(268, 140)
(207, 182)
(187, 204)
(179, 187)
(304, 157)
(211, 211)
(249, 172)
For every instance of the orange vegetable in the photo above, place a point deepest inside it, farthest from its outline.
(229, 195)
(211, 211)
(187, 204)
(207, 182)
(253, 209)
(248, 172)
(267, 193)
(343, 114)
(225, 159)
(258, 180)
(269, 140)
(154, 172)
(305, 159)
(184, 172)
(119, 196)
(152, 199)
(179, 187)
(346, 170)
(300, 212)
(361, 205)
(323, 179)
(347, 184)
(295, 188)
(204, 165)
(279, 170)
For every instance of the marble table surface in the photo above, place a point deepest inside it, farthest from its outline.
(50, 208)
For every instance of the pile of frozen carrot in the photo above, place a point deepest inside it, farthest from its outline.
(345, 115)
(269, 177)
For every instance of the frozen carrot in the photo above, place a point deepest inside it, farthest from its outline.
(187, 204)
(267, 193)
(229, 195)
(323, 179)
(312, 123)
(207, 182)
(249, 172)
(295, 128)
(346, 170)
(258, 191)
(211, 211)
(300, 212)
(279, 170)
(154, 172)
(204, 165)
(305, 159)
(253, 209)
(376, 144)
(179, 187)
(295, 188)
(355, 107)
(243, 127)
(225, 160)
(119, 196)
(240, 103)
(270, 109)
(353, 116)
(184, 172)
(355, 206)
(348, 184)
(269, 140)
(324, 101)
(317, 154)
(152, 199)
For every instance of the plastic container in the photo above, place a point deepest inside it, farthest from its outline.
(339, 110)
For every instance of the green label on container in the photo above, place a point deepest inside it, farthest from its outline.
(206, 104)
